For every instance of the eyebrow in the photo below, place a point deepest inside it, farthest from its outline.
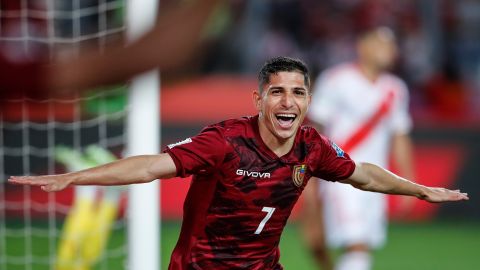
(300, 88)
(281, 88)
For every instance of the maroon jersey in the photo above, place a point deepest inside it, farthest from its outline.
(242, 193)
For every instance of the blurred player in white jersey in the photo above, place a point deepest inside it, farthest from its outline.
(364, 109)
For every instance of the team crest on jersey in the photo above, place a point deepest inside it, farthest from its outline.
(299, 174)
(340, 152)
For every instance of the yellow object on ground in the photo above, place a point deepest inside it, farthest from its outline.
(87, 226)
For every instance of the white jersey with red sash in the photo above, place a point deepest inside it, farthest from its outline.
(361, 116)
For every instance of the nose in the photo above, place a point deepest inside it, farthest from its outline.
(287, 100)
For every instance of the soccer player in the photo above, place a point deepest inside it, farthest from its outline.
(364, 109)
(247, 175)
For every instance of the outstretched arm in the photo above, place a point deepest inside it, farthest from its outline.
(370, 177)
(137, 169)
(175, 37)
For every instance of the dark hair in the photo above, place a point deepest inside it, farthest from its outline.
(279, 64)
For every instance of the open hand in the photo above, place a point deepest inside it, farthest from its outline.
(46, 182)
(435, 195)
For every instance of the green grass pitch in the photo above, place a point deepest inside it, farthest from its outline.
(425, 246)
(430, 246)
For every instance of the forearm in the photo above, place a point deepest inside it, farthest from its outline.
(371, 177)
(171, 41)
(121, 172)
(376, 179)
(138, 169)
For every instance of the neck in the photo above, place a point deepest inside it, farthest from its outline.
(370, 72)
(277, 145)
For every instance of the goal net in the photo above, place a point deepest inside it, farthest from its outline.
(38, 230)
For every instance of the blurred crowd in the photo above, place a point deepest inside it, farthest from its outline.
(439, 40)
(439, 44)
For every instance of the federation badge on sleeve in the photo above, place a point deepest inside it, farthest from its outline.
(299, 174)
(338, 150)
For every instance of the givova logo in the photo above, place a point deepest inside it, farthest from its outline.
(253, 174)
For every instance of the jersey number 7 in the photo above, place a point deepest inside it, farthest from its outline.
(269, 211)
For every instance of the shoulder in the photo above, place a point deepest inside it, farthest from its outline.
(339, 71)
(396, 84)
(311, 136)
(338, 78)
(395, 81)
(232, 126)
(320, 144)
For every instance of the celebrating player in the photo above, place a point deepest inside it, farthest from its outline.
(364, 109)
(247, 175)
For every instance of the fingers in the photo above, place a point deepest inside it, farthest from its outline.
(463, 196)
(30, 180)
(46, 183)
(456, 195)
(49, 188)
(26, 180)
(446, 195)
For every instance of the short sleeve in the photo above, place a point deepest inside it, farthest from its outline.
(331, 162)
(200, 154)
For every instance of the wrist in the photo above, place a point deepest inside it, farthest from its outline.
(422, 192)
(71, 178)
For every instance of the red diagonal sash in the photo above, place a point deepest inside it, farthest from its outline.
(364, 130)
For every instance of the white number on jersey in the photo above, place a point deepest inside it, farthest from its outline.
(269, 211)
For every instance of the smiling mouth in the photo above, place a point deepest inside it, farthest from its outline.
(285, 120)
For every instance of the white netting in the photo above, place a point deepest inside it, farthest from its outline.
(30, 130)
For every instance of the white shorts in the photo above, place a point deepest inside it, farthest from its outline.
(353, 216)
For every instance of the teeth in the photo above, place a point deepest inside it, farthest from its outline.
(291, 115)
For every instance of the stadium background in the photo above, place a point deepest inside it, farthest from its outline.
(440, 60)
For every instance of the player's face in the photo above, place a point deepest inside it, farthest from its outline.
(282, 104)
(386, 52)
(380, 50)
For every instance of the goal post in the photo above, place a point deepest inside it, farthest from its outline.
(143, 127)
(34, 131)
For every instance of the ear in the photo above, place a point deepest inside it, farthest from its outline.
(309, 100)
(257, 100)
